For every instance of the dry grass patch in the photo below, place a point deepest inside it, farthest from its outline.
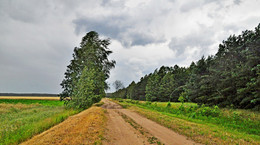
(86, 127)
(5, 108)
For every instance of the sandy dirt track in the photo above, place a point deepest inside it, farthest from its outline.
(120, 132)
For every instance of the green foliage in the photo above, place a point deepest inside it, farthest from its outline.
(148, 103)
(152, 89)
(168, 105)
(167, 86)
(208, 111)
(121, 93)
(130, 91)
(89, 89)
(139, 90)
(181, 99)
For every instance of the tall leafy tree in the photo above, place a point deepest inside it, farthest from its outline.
(92, 53)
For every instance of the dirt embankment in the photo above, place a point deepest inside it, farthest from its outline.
(84, 128)
(126, 128)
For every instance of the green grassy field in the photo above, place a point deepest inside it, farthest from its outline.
(22, 119)
(27, 101)
(207, 125)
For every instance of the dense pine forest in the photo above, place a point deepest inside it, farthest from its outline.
(230, 78)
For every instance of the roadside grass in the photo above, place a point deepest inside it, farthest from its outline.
(22, 119)
(207, 125)
(99, 104)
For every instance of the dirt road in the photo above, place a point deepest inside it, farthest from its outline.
(127, 128)
(123, 127)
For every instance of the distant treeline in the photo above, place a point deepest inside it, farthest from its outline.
(29, 94)
(230, 78)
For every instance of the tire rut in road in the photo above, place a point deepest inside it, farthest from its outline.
(120, 132)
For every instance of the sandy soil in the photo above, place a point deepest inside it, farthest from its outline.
(120, 132)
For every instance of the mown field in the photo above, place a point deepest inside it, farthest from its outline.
(20, 119)
(207, 125)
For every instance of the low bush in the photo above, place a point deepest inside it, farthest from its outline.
(168, 105)
(208, 111)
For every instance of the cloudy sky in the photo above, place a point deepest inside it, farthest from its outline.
(37, 37)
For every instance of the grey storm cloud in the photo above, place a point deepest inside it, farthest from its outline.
(119, 28)
(107, 26)
(237, 2)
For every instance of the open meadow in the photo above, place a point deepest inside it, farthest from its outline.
(23, 117)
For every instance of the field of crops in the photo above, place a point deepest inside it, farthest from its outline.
(20, 119)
